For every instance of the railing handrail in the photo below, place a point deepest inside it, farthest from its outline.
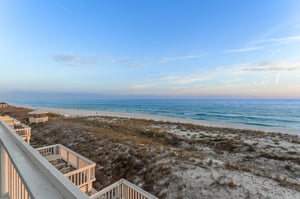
(70, 151)
(77, 154)
(21, 124)
(46, 147)
(26, 130)
(27, 127)
(125, 182)
(79, 170)
(106, 189)
(64, 153)
(140, 190)
(39, 177)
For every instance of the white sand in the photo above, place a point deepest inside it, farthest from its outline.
(81, 112)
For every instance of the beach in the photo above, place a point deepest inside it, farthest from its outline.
(175, 159)
(84, 113)
(183, 99)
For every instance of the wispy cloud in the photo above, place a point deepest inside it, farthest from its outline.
(269, 66)
(258, 79)
(71, 59)
(290, 39)
(129, 62)
(143, 86)
(277, 78)
(167, 80)
(241, 50)
(186, 57)
(228, 75)
(185, 78)
(126, 61)
(230, 81)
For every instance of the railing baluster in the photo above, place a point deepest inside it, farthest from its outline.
(13, 183)
(22, 191)
(124, 190)
(9, 178)
(18, 186)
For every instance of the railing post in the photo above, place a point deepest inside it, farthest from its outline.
(59, 150)
(77, 162)
(3, 172)
(28, 135)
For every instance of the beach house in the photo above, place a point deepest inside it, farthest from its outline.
(37, 117)
(3, 105)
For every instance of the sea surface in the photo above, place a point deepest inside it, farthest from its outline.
(268, 113)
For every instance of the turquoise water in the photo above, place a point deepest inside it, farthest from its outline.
(269, 113)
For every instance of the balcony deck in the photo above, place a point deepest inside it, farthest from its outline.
(23, 130)
(26, 174)
(50, 172)
(78, 169)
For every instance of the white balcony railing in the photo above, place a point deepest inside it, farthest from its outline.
(24, 173)
(84, 173)
(81, 177)
(24, 131)
(8, 120)
(12, 186)
(122, 189)
(38, 119)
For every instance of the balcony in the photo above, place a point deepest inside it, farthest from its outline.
(23, 130)
(78, 169)
(24, 173)
(51, 172)
(8, 120)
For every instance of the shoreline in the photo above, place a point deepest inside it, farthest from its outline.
(68, 112)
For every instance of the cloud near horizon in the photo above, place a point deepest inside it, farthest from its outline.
(172, 79)
(71, 59)
(245, 74)
(185, 78)
(241, 50)
(186, 57)
(289, 39)
(143, 86)
(131, 63)
(83, 60)
(268, 66)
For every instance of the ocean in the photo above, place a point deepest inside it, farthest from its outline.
(268, 113)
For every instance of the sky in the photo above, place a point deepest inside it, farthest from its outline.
(149, 49)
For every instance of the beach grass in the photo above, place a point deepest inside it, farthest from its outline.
(163, 157)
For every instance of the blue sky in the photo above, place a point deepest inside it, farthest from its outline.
(150, 49)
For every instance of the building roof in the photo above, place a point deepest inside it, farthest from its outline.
(36, 112)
